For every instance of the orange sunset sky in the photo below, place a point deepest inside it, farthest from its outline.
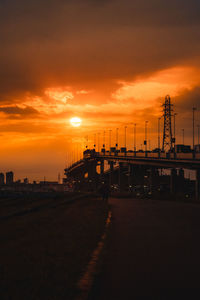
(110, 63)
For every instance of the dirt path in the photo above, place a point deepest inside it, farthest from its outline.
(154, 247)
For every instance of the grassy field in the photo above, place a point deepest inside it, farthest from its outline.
(43, 253)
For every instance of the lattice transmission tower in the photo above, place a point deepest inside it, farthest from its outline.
(167, 129)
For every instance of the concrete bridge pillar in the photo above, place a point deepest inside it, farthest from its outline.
(92, 170)
(102, 168)
(197, 185)
(131, 174)
(181, 173)
(181, 181)
(154, 179)
(173, 181)
(120, 175)
(130, 177)
(111, 163)
(92, 174)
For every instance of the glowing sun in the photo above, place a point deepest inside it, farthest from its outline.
(75, 121)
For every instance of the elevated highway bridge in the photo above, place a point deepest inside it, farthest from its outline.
(136, 165)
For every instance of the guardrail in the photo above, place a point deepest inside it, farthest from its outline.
(160, 155)
(134, 155)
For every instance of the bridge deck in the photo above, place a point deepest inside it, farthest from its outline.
(159, 162)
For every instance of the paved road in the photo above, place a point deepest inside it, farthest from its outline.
(154, 247)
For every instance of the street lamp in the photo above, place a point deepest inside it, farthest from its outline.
(125, 127)
(159, 133)
(135, 136)
(86, 141)
(193, 122)
(198, 133)
(110, 138)
(145, 141)
(183, 132)
(117, 129)
(175, 114)
(94, 141)
(104, 139)
(98, 134)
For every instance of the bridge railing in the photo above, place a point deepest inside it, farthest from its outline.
(146, 155)
(160, 155)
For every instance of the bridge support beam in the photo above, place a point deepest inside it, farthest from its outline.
(197, 185)
(102, 169)
(173, 181)
(120, 180)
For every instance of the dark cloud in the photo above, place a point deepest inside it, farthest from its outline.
(187, 99)
(19, 112)
(82, 43)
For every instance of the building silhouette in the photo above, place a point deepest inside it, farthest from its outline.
(9, 177)
(2, 179)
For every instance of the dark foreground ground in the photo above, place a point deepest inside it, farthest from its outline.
(45, 245)
(153, 252)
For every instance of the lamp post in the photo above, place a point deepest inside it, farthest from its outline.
(94, 141)
(175, 114)
(198, 133)
(159, 134)
(98, 134)
(135, 137)
(125, 127)
(145, 141)
(193, 128)
(86, 141)
(110, 138)
(104, 139)
(117, 129)
(183, 133)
